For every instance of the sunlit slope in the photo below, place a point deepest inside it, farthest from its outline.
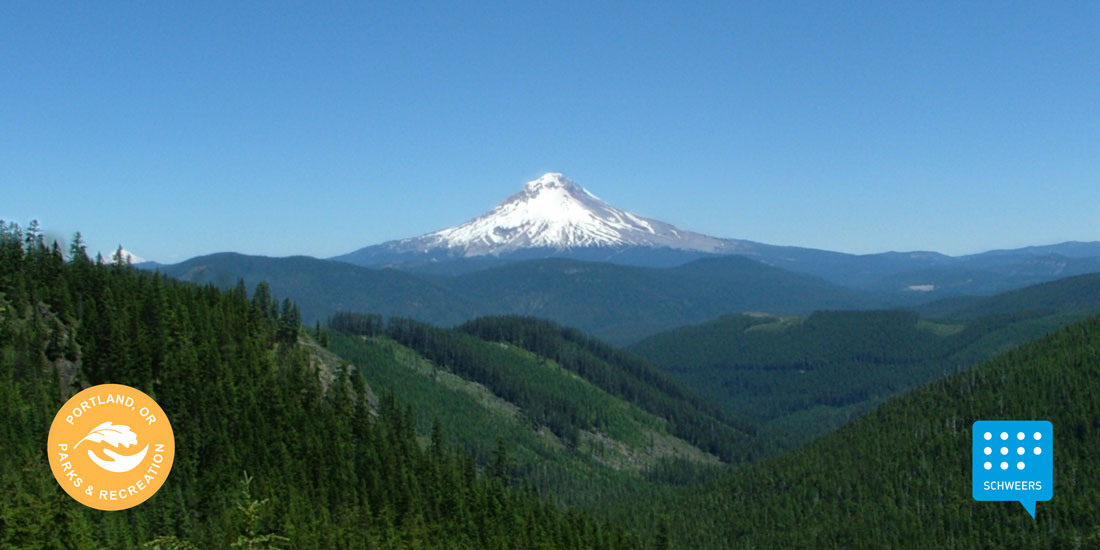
(571, 433)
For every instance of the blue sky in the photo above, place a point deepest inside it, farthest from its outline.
(179, 129)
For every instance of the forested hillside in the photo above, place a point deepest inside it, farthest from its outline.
(482, 432)
(1071, 294)
(626, 376)
(581, 420)
(900, 475)
(321, 288)
(802, 376)
(617, 303)
(270, 452)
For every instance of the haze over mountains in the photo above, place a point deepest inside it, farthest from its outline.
(557, 251)
(555, 217)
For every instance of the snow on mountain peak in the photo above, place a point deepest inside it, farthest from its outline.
(549, 179)
(554, 212)
(551, 182)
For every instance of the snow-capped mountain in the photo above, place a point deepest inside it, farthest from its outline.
(554, 217)
(554, 213)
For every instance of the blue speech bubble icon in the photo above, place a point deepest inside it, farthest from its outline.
(1013, 460)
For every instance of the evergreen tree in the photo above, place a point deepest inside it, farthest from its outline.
(78, 251)
(251, 510)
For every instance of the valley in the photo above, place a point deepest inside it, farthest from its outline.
(804, 376)
(900, 475)
(750, 411)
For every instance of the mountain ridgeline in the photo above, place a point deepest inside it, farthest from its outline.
(1078, 294)
(554, 217)
(617, 303)
(555, 250)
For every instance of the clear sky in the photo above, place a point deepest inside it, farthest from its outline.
(185, 128)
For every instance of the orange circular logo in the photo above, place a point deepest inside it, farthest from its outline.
(111, 447)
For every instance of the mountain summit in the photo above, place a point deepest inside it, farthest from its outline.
(551, 216)
(554, 212)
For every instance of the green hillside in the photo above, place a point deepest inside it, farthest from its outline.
(321, 288)
(802, 376)
(1072, 294)
(277, 445)
(616, 457)
(629, 378)
(578, 417)
(900, 475)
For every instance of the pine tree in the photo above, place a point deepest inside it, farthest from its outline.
(78, 251)
(252, 509)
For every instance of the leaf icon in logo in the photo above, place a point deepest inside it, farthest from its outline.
(111, 434)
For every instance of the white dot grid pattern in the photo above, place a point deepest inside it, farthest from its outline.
(1021, 456)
